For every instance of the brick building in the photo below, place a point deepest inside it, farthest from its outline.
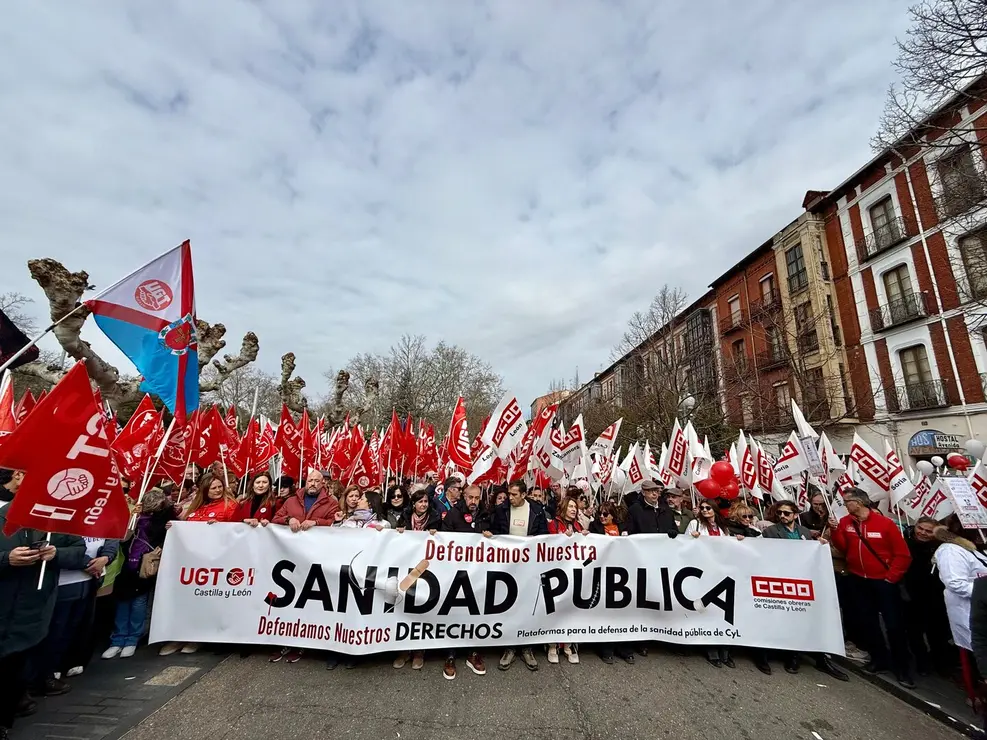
(909, 261)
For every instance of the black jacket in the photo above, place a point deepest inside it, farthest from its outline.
(459, 519)
(537, 523)
(978, 622)
(643, 518)
(25, 609)
(736, 529)
(921, 583)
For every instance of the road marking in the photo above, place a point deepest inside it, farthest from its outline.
(816, 735)
(172, 676)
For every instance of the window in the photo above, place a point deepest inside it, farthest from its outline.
(738, 351)
(814, 394)
(837, 337)
(805, 328)
(884, 224)
(776, 350)
(733, 307)
(897, 283)
(921, 390)
(973, 250)
(962, 183)
(915, 365)
(903, 303)
(798, 279)
(747, 410)
(783, 403)
(768, 289)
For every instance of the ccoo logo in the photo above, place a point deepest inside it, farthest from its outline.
(782, 588)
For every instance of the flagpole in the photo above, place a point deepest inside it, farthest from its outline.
(193, 438)
(151, 467)
(246, 469)
(37, 339)
(41, 576)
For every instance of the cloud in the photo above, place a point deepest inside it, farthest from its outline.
(517, 178)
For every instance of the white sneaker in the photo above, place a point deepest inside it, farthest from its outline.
(128, 652)
(553, 653)
(190, 647)
(76, 671)
(111, 652)
(169, 648)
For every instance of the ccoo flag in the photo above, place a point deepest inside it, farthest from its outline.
(150, 316)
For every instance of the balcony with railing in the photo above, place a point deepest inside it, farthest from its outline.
(961, 196)
(881, 239)
(808, 342)
(770, 359)
(928, 394)
(731, 322)
(901, 310)
(766, 304)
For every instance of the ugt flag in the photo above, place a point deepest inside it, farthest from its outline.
(150, 316)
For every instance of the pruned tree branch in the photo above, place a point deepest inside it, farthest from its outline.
(290, 389)
(248, 353)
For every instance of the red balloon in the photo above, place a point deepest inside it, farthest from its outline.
(730, 490)
(957, 462)
(709, 488)
(722, 472)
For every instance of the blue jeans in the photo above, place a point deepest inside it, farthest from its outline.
(128, 626)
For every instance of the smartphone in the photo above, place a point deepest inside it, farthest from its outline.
(38, 544)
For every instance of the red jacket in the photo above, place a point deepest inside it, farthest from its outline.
(323, 511)
(886, 540)
(223, 510)
(557, 526)
(265, 513)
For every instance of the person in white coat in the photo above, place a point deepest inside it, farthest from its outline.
(959, 565)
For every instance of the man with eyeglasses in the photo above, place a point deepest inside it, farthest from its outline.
(452, 489)
(788, 528)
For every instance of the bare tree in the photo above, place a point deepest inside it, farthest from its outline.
(803, 360)
(64, 291)
(664, 358)
(936, 113)
(15, 306)
(423, 382)
(940, 61)
(238, 390)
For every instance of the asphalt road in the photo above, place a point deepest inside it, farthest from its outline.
(662, 696)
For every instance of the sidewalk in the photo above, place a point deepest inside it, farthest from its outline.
(936, 696)
(112, 696)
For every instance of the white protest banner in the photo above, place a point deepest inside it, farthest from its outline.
(966, 505)
(364, 591)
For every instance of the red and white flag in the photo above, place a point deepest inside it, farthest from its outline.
(506, 427)
(604, 443)
(978, 481)
(548, 454)
(71, 484)
(135, 446)
(574, 446)
(664, 475)
(678, 455)
(792, 462)
(747, 453)
(458, 439)
(521, 456)
(872, 472)
(633, 467)
(899, 484)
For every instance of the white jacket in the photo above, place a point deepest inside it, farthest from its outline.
(958, 569)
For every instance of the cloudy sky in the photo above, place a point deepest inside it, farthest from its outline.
(513, 176)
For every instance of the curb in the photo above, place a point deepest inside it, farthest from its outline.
(937, 713)
(135, 719)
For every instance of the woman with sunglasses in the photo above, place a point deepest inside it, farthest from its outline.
(709, 522)
(740, 521)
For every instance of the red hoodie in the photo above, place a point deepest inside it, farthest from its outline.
(886, 540)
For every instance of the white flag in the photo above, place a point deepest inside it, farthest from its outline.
(899, 485)
(506, 427)
(871, 470)
(604, 443)
(804, 428)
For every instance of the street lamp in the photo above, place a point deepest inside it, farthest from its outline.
(687, 405)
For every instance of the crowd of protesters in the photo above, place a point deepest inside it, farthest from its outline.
(905, 593)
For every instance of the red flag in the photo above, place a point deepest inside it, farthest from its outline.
(317, 441)
(289, 443)
(408, 446)
(175, 456)
(389, 452)
(71, 484)
(361, 471)
(230, 420)
(458, 439)
(522, 453)
(24, 406)
(205, 429)
(242, 459)
(348, 445)
(144, 414)
(266, 449)
(374, 445)
(136, 444)
(307, 444)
